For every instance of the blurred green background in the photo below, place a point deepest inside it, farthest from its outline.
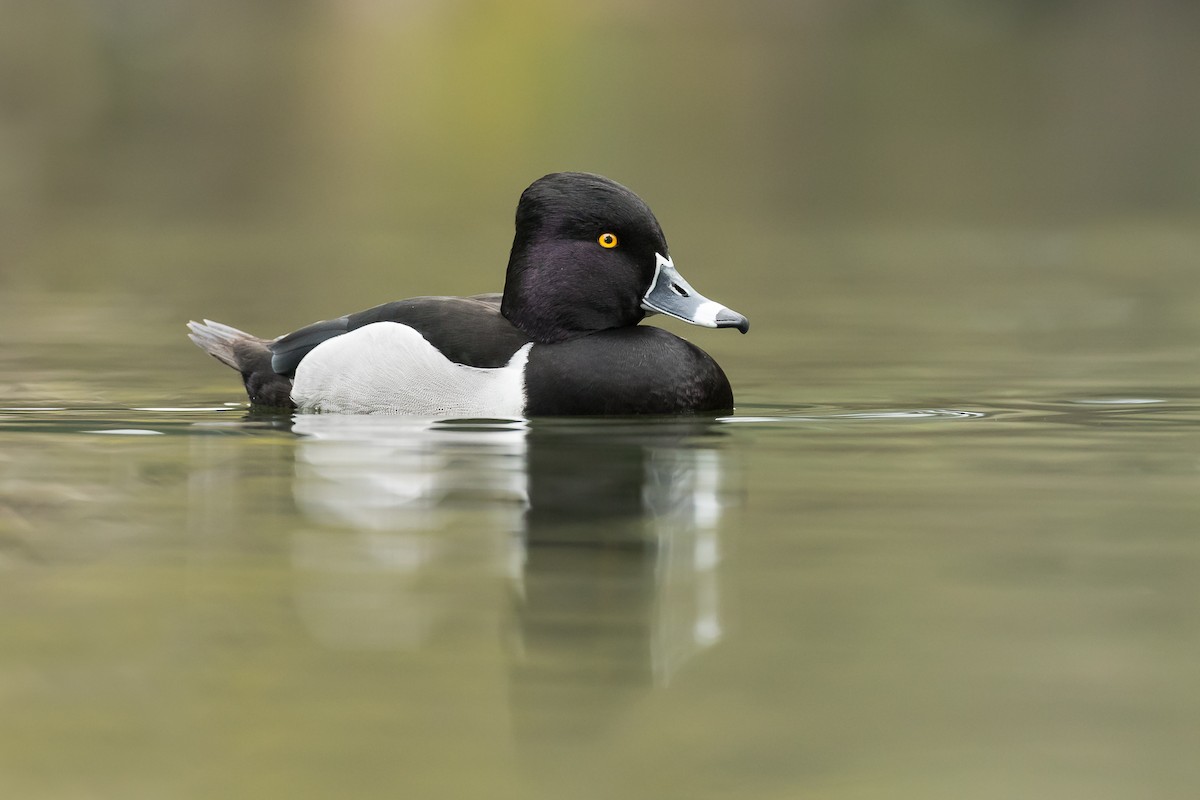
(274, 162)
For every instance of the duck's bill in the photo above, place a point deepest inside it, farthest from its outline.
(670, 294)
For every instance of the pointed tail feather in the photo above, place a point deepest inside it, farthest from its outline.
(219, 340)
(249, 355)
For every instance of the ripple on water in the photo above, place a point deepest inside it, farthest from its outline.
(188, 409)
(114, 421)
(127, 432)
(153, 419)
(863, 415)
(1117, 401)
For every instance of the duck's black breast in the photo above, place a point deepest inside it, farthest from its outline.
(466, 330)
(634, 370)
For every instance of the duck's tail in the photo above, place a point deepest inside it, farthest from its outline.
(249, 355)
(221, 341)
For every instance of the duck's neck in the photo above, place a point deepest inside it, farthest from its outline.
(540, 321)
(555, 305)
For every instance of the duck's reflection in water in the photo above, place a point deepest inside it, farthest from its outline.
(603, 533)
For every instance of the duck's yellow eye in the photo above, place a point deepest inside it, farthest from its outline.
(608, 240)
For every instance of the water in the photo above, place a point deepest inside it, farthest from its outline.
(935, 595)
(946, 547)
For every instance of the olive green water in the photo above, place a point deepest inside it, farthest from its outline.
(958, 564)
(947, 546)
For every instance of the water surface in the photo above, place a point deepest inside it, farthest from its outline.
(963, 585)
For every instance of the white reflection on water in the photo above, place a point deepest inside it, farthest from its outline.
(683, 495)
(425, 527)
(389, 474)
(423, 503)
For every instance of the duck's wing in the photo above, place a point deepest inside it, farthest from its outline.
(467, 330)
(492, 299)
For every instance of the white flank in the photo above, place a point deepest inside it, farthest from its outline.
(389, 368)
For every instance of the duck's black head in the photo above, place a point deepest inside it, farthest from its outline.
(589, 255)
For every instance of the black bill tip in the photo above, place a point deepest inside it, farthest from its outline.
(731, 319)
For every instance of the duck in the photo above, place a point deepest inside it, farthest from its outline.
(589, 262)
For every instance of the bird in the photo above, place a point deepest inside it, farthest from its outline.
(589, 262)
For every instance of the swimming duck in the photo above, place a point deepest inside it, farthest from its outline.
(589, 261)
